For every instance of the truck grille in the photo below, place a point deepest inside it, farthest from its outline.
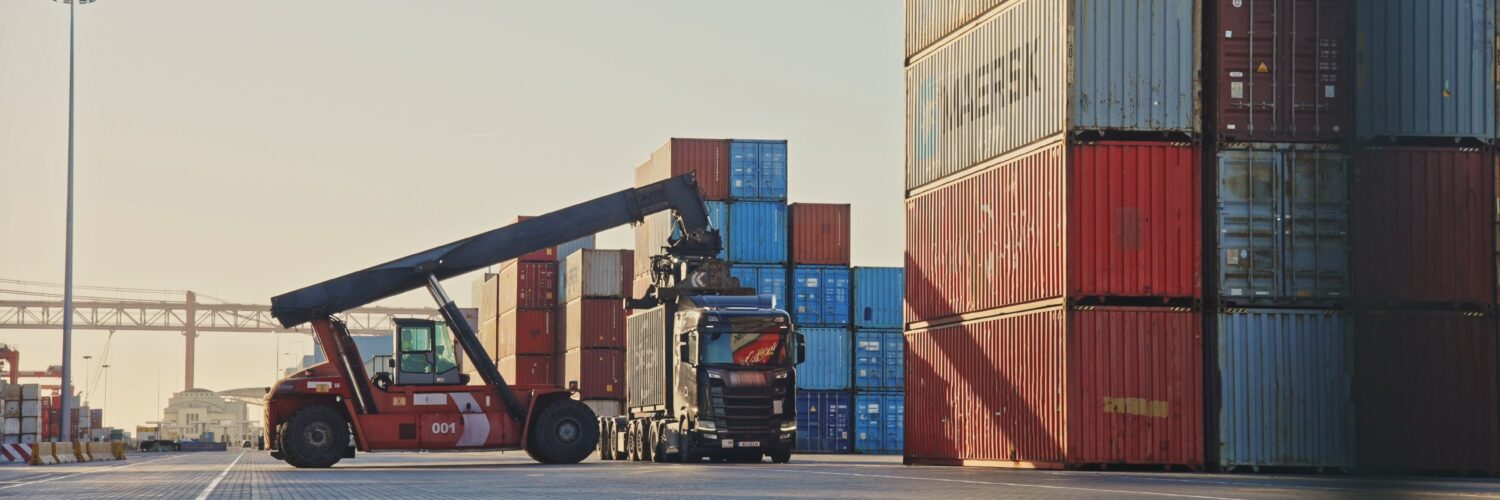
(746, 409)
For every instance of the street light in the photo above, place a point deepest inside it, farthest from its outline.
(106, 385)
(84, 394)
(67, 350)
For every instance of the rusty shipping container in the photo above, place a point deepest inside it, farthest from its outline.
(594, 323)
(708, 159)
(1423, 222)
(1425, 69)
(528, 369)
(1280, 72)
(928, 21)
(597, 373)
(526, 331)
(1108, 219)
(1058, 388)
(1426, 393)
(1041, 68)
(526, 285)
(820, 233)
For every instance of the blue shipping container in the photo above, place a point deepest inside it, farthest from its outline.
(757, 170)
(824, 424)
(878, 295)
(879, 422)
(827, 363)
(1285, 399)
(766, 279)
(879, 359)
(757, 232)
(718, 216)
(1425, 68)
(820, 295)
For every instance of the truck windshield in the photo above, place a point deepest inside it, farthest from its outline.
(744, 349)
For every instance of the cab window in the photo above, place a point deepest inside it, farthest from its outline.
(416, 342)
(446, 359)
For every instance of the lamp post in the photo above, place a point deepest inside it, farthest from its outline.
(67, 350)
(84, 394)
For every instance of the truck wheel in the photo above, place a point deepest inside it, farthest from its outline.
(561, 433)
(781, 457)
(605, 432)
(648, 444)
(315, 437)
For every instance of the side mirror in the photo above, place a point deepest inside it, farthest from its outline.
(685, 349)
(390, 362)
(801, 347)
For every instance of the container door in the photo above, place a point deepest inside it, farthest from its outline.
(1249, 263)
(1315, 228)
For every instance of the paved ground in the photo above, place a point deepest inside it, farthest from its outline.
(254, 474)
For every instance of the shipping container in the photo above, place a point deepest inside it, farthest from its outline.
(646, 342)
(1058, 388)
(1042, 68)
(489, 335)
(1422, 226)
(595, 373)
(878, 293)
(1283, 223)
(650, 238)
(928, 21)
(563, 251)
(879, 422)
(819, 233)
(526, 331)
(639, 285)
(483, 296)
(757, 170)
(1108, 219)
(1426, 393)
(718, 217)
(528, 369)
(527, 285)
(594, 324)
(766, 279)
(757, 232)
(879, 359)
(824, 421)
(548, 254)
(1425, 68)
(599, 273)
(828, 357)
(1285, 389)
(707, 159)
(1280, 70)
(604, 407)
(820, 296)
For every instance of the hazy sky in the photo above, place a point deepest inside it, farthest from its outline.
(244, 149)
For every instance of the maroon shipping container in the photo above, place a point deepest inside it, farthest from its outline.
(1058, 388)
(526, 331)
(707, 158)
(543, 255)
(528, 370)
(599, 373)
(527, 285)
(1116, 219)
(1426, 392)
(594, 323)
(1280, 72)
(1423, 226)
(820, 233)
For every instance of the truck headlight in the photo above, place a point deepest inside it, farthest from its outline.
(781, 375)
(715, 374)
(707, 425)
(789, 426)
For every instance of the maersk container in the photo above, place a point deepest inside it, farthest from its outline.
(878, 293)
(766, 279)
(707, 159)
(1425, 68)
(879, 422)
(757, 170)
(928, 21)
(1040, 68)
(1285, 389)
(820, 296)
(827, 363)
(825, 421)
(757, 232)
(1280, 70)
(1283, 223)
(879, 359)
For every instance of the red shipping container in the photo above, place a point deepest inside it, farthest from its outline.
(1423, 226)
(526, 331)
(1426, 392)
(1108, 219)
(599, 373)
(528, 369)
(527, 285)
(543, 255)
(594, 323)
(707, 158)
(1280, 73)
(1058, 388)
(820, 233)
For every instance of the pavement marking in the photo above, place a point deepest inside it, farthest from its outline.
(88, 472)
(215, 483)
(1018, 485)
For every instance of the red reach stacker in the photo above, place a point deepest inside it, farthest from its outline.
(323, 414)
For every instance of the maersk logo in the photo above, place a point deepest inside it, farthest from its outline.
(1005, 80)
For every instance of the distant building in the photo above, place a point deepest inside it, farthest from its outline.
(191, 413)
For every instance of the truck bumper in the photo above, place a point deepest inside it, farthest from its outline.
(743, 443)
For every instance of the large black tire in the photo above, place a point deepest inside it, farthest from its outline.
(315, 437)
(563, 432)
(781, 457)
(605, 432)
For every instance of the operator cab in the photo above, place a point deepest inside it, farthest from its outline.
(424, 355)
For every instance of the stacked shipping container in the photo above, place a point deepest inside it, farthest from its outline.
(518, 318)
(593, 329)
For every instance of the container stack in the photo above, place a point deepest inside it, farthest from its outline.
(879, 360)
(1423, 186)
(517, 311)
(819, 301)
(593, 327)
(1054, 234)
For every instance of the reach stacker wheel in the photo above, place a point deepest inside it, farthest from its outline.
(315, 437)
(564, 432)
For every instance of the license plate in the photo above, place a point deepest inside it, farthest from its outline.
(749, 444)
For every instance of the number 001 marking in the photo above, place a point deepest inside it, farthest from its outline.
(444, 427)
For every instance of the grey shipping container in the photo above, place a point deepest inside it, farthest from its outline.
(648, 361)
(1285, 389)
(928, 21)
(1283, 223)
(1039, 68)
(1425, 68)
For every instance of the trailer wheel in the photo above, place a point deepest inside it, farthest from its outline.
(315, 437)
(561, 433)
(605, 432)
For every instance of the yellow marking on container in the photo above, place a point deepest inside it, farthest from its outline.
(1137, 406)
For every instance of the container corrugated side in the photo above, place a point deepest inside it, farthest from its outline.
(651, 236)
(819, 233)
(757, 170)
(598, 373)
(707, 159)
(1280, 72)
(1285, 389)
(584, 243)
(757, 232)
(594, 323)
(766, 279)
(599, 273)
(879, 421)
(879, 359)
(526, 331)
(829, 351)
(820, 296)
(928, 21)
(1425, 68)
(647, 358)
(878, 295)
(528, 370)
(527, 285)
(1006, 83)
(825, 421)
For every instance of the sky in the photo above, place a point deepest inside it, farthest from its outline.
(245, 149)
